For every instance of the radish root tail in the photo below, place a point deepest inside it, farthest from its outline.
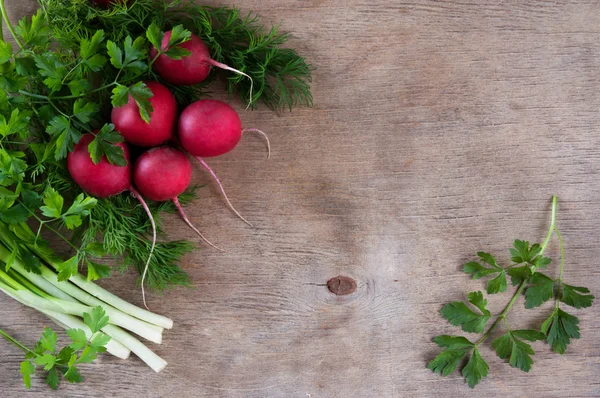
(239, 72)
(264, 136)
(187, 221)
(214, 176)
(138, 196)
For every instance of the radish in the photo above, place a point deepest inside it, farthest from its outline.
(163, 174)
(104, 179)
(192, 69)
(211, 128)
(135, 130)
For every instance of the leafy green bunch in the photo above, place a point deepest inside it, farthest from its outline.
(84, 348)
(69, 65)
(557, 330)
(281, 76)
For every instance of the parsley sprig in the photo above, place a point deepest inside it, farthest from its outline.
(557, 330)
(84, 348)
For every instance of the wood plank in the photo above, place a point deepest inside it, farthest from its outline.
(440, 128)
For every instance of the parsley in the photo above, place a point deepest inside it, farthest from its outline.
(558, 329)
(84, 348)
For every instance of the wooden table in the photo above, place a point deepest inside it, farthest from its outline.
(440, 128)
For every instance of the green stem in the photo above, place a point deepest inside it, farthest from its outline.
(71, 71)
(9, 25)
(552, 225)
(50, 228)
(503, 313)
(14, 341)
(562, 267)
(47, 98)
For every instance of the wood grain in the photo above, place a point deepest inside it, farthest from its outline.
(440, 128)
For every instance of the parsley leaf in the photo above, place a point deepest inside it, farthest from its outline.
(459, 314)
(78, 339)
(541, 290)
(154, 35)
(48, 340)
(453, 342)
(97, 271)
(498, 284)
(447, 361)
(53, 203)
(84, 110)
(519, 352)
(90, 47)
(64, 134)
(68, 268)
(142, 94)
(115, 54)
(559, 329)
(104, 145)
(477, 270)
(571, 295)
(52, 379)
(476, 369)
(96, 319)
(6, 52)
(519, 274)
(27, 369)
(81, 207)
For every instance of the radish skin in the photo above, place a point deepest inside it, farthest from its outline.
(194, 68)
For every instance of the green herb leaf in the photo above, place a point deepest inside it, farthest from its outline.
(453, 342)
(142, 94)
(52, 379)
(46, 360)
(476, 369)
(541, 290)
(65, 135)
(571, 295)
(99, 341)
(559, 329)
(53, 203)
(519, 352)
(522, 253)
(97, 271)
(90, 47)
(27, 369)
(30, 262)
(68, 268)
(498, 284)
(120, 96)
(81, 207)
(96, 319)
(476, 298)
(458, 314)
(179, 35)
(78, 339)
(6, 52)
(177, 53)
(73, 375)
(104, 145)
(115, 54)
(519, 274)
(95, 249)
(65, 355)
(154, 35)
(134, 51)
(34, 32)
(88, 355)
(48, 340)
(25, 66)
(84, 110)
(447, 361)
(477, 270)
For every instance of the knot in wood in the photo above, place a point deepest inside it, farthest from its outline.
(341, 285)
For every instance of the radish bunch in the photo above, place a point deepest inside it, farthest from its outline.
(205, 128)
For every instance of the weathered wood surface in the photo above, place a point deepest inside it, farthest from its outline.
(439, 128)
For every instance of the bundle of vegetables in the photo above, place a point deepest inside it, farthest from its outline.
(66, 301)
(90, 94)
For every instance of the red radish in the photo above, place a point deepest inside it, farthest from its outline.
(135, 130)
(163, 174)
(192, 69)
(211, 128)
(104, 179)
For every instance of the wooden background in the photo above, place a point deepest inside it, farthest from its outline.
(440, 128)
